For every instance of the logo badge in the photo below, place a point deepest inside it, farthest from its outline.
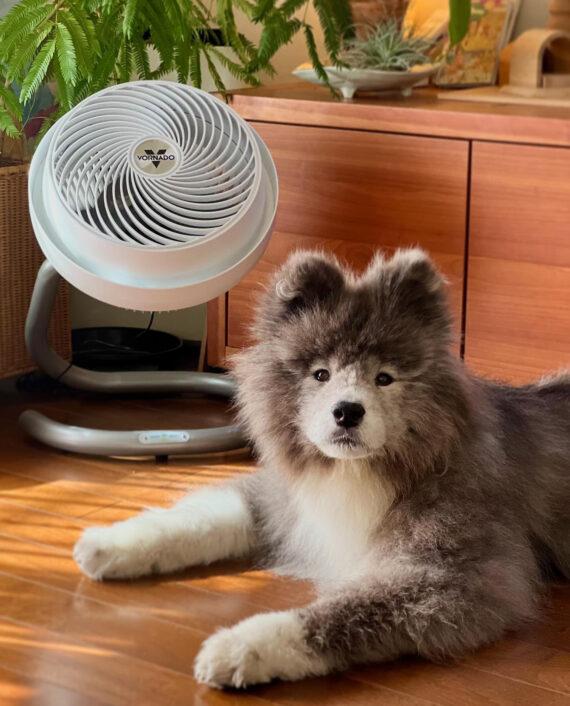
(155, 157)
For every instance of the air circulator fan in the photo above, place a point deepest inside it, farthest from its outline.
(153, 196)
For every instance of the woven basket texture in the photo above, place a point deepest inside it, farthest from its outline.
(20, 258)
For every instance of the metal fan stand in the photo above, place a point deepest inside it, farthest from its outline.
(105, 442)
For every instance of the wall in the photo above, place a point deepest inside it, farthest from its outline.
(533, 13)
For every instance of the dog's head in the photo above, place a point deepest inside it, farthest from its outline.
(350, 367)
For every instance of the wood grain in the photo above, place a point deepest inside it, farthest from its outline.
(354, 192)
(422, 114)
(67, 640)
(518, 295)
(216, 331)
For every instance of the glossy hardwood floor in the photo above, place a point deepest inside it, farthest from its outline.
(66, 641)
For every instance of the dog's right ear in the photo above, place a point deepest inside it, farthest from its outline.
(307, 280)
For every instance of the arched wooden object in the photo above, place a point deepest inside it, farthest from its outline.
(527, 76)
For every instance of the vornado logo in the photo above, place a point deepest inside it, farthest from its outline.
(155, 157)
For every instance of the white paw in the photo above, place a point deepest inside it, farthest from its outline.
(257, 650)
(112, 552)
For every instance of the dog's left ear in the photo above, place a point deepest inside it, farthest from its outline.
(411, 282)
(413, 269)
(409, 271)
(308, 279)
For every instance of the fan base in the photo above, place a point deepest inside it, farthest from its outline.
(106, 442)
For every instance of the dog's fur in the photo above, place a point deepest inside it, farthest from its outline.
(427, 527)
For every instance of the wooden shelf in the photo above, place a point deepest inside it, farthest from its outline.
(421, 114)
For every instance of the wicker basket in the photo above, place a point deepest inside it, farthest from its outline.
(20, 258)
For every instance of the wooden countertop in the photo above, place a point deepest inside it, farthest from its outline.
(421, 114)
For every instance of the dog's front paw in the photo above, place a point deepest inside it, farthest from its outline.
(265, 647)
(111, 553)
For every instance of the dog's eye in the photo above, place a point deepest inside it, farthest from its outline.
(321, 375)
(383, 379)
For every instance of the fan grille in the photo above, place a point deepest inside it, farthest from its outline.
(154, 164)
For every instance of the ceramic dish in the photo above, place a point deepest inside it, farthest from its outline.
(349, 81)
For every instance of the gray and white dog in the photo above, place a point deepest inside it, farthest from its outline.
(424, 503)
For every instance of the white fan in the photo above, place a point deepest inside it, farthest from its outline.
(148, 195)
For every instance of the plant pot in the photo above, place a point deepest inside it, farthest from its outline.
(372, 12)
(20, 258)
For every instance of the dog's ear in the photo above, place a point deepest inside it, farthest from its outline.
(414, 270)
(410, 282)
(307, 280)
(409, 271)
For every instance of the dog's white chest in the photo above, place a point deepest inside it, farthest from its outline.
(337, 513)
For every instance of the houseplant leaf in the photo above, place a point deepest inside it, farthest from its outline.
(459, 18)
(38, 70)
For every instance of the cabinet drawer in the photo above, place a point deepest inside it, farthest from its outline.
(352, 192)
(518, 295)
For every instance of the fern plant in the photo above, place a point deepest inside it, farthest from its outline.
(84, 45)
(81, 46)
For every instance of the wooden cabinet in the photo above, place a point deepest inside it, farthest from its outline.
(490, 183)
(353, 192)
(518, 288)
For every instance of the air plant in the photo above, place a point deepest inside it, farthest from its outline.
(385, 47)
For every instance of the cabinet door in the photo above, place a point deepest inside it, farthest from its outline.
(518, 294)
(352, 192)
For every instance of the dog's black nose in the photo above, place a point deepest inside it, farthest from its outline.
(348, 414)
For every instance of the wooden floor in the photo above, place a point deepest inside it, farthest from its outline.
(65, 640)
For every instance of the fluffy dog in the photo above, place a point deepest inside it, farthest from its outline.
(423, 502)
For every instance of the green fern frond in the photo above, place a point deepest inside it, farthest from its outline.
(103, 69)
(11, 39)
(63, 88)
(80, 91)
(276, 33)
(235, 69)
(233, 38)
(214, 73)
(159, 35)
(7, 124)
(140, 58)
(11, 102)
(290, 7)
(175, 18)
(332, 32)
(20, 15)
(66, 56)
(129, 16)
(87, 24)
(195, 65)
(182, 61)
(246, 6)
(262, 9)
(48, 121)
(23, 55)
(38, 70)
(125, 63)
(314, 54)
(161, 70)
(80, 42)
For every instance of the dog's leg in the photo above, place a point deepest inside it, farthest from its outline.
(437, 618)
(205, 526)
